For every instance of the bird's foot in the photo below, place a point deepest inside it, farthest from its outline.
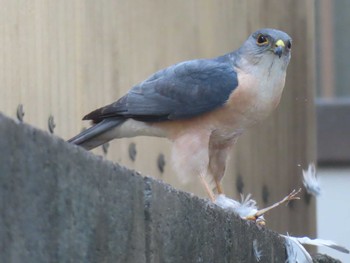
(258, 216)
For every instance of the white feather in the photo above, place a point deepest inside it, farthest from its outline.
(247, 207)
(295, 251)
(310, 181)
(226, 203)
(322, 242)
(256, 251)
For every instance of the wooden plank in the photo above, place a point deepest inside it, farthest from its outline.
(326, 28)
(67, 58)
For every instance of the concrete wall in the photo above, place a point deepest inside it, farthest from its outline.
(59, 203)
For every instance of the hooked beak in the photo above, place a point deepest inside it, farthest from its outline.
(279, 47)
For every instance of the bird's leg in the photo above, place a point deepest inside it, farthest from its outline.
(207, 188)
(291, 196)
(218, 153)
(218, 186)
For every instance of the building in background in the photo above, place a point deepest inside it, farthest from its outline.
(333, 121)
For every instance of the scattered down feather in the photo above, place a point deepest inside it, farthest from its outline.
(246, 208)
(257, 252)
(310, 181)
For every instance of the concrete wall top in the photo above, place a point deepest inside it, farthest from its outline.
(60, 203)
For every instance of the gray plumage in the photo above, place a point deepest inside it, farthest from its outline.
(181, 91)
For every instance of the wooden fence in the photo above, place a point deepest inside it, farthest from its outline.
(66, 58)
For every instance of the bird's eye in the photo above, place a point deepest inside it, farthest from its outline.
(289, 44)
(262, 40)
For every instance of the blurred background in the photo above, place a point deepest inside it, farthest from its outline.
(333, 120)
(62, 59)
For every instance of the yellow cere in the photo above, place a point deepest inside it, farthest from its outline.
(280, 43)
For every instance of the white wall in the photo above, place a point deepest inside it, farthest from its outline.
(333, 209)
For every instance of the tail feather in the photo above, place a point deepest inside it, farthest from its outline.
(91, 137)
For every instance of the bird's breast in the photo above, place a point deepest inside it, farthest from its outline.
(255, 97)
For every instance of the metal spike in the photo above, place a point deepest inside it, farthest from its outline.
(20, 112)
(161, 162)
(105, 147)
(51, 124)
(132, 151)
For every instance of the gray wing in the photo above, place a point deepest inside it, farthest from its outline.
(180, 91)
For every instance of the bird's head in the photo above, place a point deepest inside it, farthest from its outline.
(267, 45)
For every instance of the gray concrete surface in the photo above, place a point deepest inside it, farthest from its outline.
(59, 203)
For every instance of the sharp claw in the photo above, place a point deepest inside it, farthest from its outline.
(259, 220)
